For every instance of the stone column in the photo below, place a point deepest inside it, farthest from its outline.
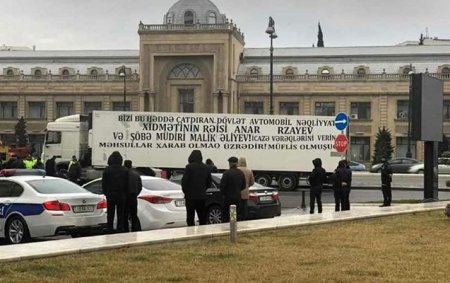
(225, 98)
(141, 98)
(216, 102)
(151, 100)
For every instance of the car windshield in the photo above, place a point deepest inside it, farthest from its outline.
(160, 185)
(55, 186)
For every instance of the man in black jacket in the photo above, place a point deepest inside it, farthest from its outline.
(316, 180)
(115, 188)
(231, 185)
(134, 189)
(196, 180)
(386, 179)
(342, 182)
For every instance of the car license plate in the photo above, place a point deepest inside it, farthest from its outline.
(83, 208)
(265, 198)
(179, 203)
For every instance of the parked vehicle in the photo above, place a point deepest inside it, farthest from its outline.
(264, 201)
(355, 166)
(160, 203)
(279, 147)
(37, 206)
(398, 165)
(443, 167)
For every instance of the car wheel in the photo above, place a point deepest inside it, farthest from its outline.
(420, 171)
(263, 179)
(214, 214)
(17, 230)
(287, 183)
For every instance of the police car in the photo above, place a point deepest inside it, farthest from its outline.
(34, 205)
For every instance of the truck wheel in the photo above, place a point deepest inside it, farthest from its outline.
(17, 230)
(287, 183)
(263, 179)
(214, 215)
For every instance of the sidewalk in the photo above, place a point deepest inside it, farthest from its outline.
(294, 218)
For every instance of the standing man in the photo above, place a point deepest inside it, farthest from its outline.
(50, 166)
(386, 179)
(134, 189)
(231, 185)
(196, 180)
(342, 180)
(115, 188)
(249, 181)
(316, 180)
(74, 171)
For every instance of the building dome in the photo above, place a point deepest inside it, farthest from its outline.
(194, 11)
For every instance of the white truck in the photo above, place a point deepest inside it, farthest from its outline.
(276, 147)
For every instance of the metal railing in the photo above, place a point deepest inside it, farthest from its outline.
(77, 77)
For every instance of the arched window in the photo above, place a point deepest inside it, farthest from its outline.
(289, 73)
(169, 18)
(406, 71)
(65, 73)
(10, 73)
(212, 18)
(254, 73)
(188, 18)
(94, 73)
(38, 73)
(325, 72)
(185, 71)
(445, 72)
(361, 72)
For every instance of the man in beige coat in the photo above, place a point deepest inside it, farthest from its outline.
(249, 181)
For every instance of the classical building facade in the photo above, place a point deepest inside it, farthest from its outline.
(196, 61)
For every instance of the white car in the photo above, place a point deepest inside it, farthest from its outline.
(38, 206)
(443, 166)
(160, 203)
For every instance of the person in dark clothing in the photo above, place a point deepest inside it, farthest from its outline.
(50, 166)
(134, 189)
(346, 189)
(115, 188)
(316, 180)
(342, 180)
(9, 164)
(231, 185)
(38, 164)
(18, 163)
(74, 172)
(196, 180)
(211, 166)
(386, 179)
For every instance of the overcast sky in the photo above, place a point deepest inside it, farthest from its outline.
(113, 24)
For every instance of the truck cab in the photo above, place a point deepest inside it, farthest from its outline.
(66, 137)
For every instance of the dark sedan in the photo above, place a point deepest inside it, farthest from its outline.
(398, 165)
(264, 201)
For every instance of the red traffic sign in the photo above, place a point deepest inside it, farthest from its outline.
(341, 143)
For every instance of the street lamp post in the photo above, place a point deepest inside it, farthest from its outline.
(408, 149)
(272, 35)
(123, 74)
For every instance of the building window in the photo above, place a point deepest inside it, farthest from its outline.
(288, 108)
(169, 18)
(361, 73)
(89, 107)
(254, 73)
(185, 71)
(445, 72)
(10, 73)
(406, 71)
(446, 110)
(94, 74)
(188, 18)
(36, 110)
(360, 110)
(8, 110)
(186, 100)
(64, 109)
(360, 149)
(401, 147)
(402, 109)
(325, 109)
(38, 74)
(254, 108)
(212, 18)
(289, 73)
(118, 106)
(65, 73)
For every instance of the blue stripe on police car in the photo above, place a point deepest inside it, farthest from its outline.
(25, 209)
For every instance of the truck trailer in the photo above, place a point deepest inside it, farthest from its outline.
(277, 147)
